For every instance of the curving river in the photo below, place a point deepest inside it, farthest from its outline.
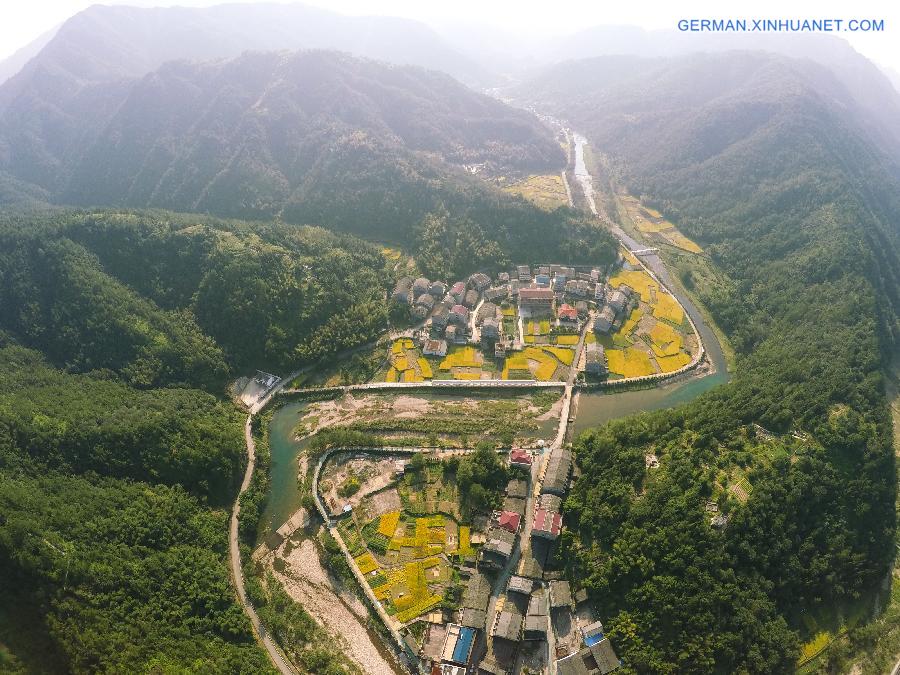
(595, 408)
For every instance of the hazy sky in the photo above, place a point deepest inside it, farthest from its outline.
(23, 20)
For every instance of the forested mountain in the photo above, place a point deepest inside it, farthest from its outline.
(243, 137)
(863, 80)
(309, 138)
(110, 42)
(763, 160)
(116, 469)
(162, 299)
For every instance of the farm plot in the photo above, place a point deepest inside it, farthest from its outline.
(410, 572)
(407, 363)
(546, 191)
(539, 362)
(668, 309)
(629, 362)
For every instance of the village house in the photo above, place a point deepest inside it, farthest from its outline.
(459, 315)
(433, 644)
(547, 517)
(617, 301)
(503, 278)
(579, 288)
(560, 595)
(559, 283)
(517, 488)
(598, 658)
(438, 289)
(458, 291)
(423, 306)
(536, 300)
(568, 316)
(458, 645)
(544, 269)
(514, 505)
(604, 321)
(536, 618)
(508, 625)
(496, 293)
(594, 359)
(556, 477)
(524, 273)
(499, 350)
(488, 310)
(474, 603)
(514, 286)
(497, 548)
(520, 585)
(401, 291)
(490, 330)
(470, 299)
(542, 280)
(420, 286)
(440, 317)
(435, 348)
(595, 275)
(479, 281)
(599, 292)
(520, 457)
(509, 521)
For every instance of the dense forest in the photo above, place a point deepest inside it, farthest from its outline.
(117, 469)
(163, 299)
(113, 523)
(760, 163)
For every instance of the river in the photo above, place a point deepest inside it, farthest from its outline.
(596, 408)
(284, 492)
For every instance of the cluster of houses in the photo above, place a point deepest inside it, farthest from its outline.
(533, 604)
(469, 311)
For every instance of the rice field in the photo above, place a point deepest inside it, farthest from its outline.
(387, 524)
(669, 364)
(631, 322)
(411, 577)
(539, 362)
(639, 280)
(668, 308)
(629, 362)
(680, 241)
(666, 340)
(546, 191)
(460, 357)
(407, 363)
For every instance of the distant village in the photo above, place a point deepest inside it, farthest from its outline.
(494, 314)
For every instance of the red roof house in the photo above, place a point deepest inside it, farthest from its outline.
(567, 312)
(519, 457)
(547, 524)
(509, 521)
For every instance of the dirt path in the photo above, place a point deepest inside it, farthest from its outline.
(343, 616)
